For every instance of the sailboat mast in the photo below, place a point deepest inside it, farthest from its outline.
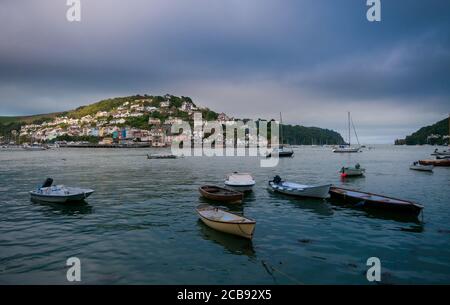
(349, 133)
(281, 129)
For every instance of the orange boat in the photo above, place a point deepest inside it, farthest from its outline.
(440, 162)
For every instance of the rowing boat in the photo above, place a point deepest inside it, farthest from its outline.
(374, 201)
(226, 222)
(419, 167)
(220, 194)
(441, 162)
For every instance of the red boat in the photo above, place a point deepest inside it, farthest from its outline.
(374, 201)
(440, 162)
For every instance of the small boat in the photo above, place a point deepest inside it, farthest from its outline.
(299, 190)
(283, 151)
(442, 157)
(242, 182)
(161, 156)
(369, 200)
(445, 152)
(59, 193)
(34, 147)
(440, 162)
(218, 193)
(226, 222)
(419, 167)
(356, 171)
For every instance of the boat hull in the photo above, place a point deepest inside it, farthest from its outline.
(373, 201)
(320, 191)
(60, 199)
(240, 226)
(225, 195)
(343, 150)
(353, 172)
(441, 162)
(422, 168)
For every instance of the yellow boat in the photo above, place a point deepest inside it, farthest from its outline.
(226, 222)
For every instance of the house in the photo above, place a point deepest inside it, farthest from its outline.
(154, 121)
(222, 117)
(150, 109)
(164, 104)
(170, 121)
(101, 114)
(137, 108)
(136, 114)
(188, 107)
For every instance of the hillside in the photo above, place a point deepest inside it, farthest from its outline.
(165, 108)
(433, 134)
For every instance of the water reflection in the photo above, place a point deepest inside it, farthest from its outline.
(317, 206)
(72, 209)
(232, 244)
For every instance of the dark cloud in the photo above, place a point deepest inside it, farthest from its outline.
(313, 60)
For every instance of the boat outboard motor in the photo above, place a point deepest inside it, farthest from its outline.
(277, 179)
(48, 182)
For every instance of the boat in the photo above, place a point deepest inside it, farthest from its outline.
(242, 182)
(348, 148)
(442, 157)
(161, 156)
(226, 222)
(300, 190)
(34, 147)
(282, 150)
(356, 171)
(59, 193)
(419, 167)
(374, 201)
(437, 162)
(445, 152)
(218, 193)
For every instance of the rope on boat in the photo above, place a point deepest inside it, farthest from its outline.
(266, 266)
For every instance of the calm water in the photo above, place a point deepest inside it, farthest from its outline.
(140, 226)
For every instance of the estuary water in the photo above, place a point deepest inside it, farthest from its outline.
(140, 226)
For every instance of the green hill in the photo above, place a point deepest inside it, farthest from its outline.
(432, 134)
(295, 135)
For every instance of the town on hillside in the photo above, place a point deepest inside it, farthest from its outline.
(144, 122)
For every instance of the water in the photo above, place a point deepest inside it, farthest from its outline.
(140, 227)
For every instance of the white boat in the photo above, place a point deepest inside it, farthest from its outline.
(226, 222)
(442, 153)
(242, 182)
(300, 190)
(355, 171)
(59, 193)
(34, 147)
(419, 167)
(348, 148)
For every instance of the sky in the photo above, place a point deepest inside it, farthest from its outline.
(312, 60)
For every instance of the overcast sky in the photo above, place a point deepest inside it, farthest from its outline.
(313, 60)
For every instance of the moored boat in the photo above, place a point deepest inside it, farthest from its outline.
(437, 152)
(226, 222)
(299, 190)
(59, 193)
(352, 171)
(374, 201)
(440, 162)
(217, 193)
(161, 156)
(419, 167)
(347, 148)
(242, 182)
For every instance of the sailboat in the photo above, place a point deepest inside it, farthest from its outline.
(283, 150)
(348, 148)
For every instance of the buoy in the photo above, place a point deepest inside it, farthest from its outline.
(343, 175)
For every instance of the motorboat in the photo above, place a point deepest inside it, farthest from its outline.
(352, 171)
(34, 147)
(437, 152)
(59, 193)
(218, 193)
(419, 167)
(161, 156)
(373, 201)
(299, 190)
(242, 182)
(226, 222)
